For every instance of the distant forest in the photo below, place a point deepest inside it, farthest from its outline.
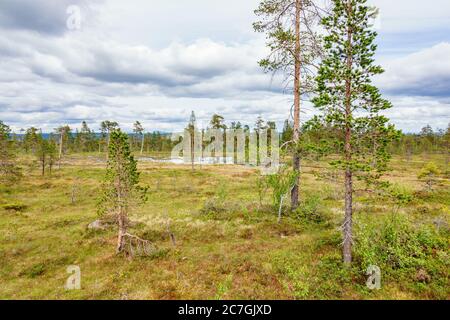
(428, 140)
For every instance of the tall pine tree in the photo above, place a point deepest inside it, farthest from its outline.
(350, 103)
(294, 47)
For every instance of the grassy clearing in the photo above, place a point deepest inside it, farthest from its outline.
(228, 244)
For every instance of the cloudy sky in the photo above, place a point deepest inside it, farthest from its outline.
(156, 60)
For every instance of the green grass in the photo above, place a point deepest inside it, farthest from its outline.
(228, 246)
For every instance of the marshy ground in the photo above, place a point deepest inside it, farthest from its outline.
(228, 242)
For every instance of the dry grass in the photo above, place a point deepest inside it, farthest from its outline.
(242, 254)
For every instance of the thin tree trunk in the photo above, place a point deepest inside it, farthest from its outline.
(348, 223)
(121, 218)
(43, 165)
(296, 156)
(122, 231)
(374, 151)
(193, 149)
(60, 148)
(107, 145)
(142, 143)
(202, 147)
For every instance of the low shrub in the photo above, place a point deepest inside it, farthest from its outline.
(154, 235)
(429, 174)
(332, 279)
(311, 210)
(293, 275)
(34, 271)
(396, 244)
(214, 208)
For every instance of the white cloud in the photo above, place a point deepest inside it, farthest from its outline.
(178, 65)
(424, 73)
(158, 60)
(412, 113)
(410, 16)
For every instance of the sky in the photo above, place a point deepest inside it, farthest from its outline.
(68, 61)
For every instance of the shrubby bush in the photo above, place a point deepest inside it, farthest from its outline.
(396, 244)
(217, 209)
(213, 207)
(429, 174)
(399, 194)
(281, 185)
(311, 210)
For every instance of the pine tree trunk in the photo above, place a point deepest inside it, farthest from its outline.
(60, 149)
(43, 165)
(121, 217)
(142, 143)
(192, 134)
(348, 223)
(296, 137)
(202, 147)
(122, 232)
(107, 145)
(192, 157)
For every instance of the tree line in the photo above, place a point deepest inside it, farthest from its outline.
(425, 141)
(50, 148)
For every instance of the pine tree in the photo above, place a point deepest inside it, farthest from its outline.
(294, 48)
(120, 186)
(106, 127)
(218, 123)
(86, 138)
(138, 131)
(9, 172)
(65, 134)
(350, 103)
(46, 152)
(31, 140)
(42, 152)
(260, 125)
(51, 153)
